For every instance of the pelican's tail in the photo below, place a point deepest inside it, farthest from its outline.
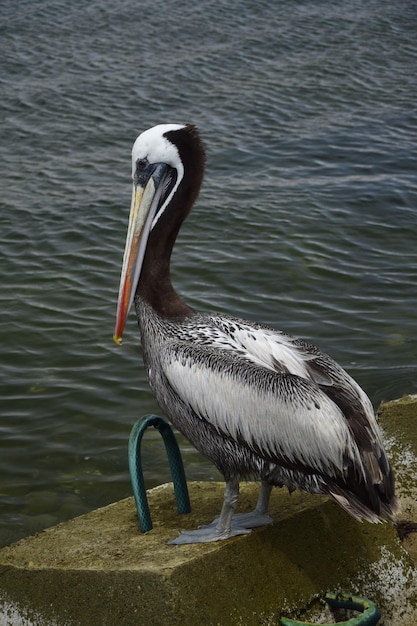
(372, 500)
(350, 503)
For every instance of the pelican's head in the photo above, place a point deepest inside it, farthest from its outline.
(161, 158)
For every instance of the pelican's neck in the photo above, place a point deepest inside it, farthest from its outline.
(155, 285)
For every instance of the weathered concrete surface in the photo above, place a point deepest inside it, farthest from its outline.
(399, 421)
(99, 569)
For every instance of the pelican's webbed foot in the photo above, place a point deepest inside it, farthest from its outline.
(258, 517)
(208, 533)
(251, 520)
(227, 525)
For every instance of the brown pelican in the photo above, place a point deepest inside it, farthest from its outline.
(257, 402)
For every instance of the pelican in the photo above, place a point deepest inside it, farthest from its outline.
(259, 403)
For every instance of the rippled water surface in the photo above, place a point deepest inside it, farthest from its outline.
(306, 220)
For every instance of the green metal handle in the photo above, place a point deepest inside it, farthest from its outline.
(175, 464)
(370, 614)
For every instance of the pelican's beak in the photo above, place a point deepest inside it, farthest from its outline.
(147, 191)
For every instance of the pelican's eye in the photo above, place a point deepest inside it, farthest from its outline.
(142, 164)
(141, 174)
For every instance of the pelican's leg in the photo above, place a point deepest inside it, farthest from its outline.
(259, 516)
(262, 505)
(222, 527)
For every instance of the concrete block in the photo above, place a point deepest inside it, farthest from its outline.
(98, 569)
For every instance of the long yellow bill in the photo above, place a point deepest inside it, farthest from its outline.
(142, 209)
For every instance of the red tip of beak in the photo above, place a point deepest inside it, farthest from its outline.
(122, 312)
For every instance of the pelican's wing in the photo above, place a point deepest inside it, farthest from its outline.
(263, 346)
(283, 417)
(283, 353)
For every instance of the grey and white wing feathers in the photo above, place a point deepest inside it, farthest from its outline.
(276, 410)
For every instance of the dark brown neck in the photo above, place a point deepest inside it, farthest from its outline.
(155, 284)
(164, 300)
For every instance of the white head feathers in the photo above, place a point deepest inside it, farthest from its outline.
(153, 146)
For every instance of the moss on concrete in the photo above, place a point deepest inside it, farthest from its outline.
(399, 418)
(399, 421)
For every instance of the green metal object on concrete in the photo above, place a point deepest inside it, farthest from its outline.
(175, 464)
(370, 614)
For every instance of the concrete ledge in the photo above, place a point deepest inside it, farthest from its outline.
(99, 569)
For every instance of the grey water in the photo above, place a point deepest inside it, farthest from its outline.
(307, 219)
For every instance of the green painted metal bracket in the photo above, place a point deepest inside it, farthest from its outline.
(369, 616)
(136, 472)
